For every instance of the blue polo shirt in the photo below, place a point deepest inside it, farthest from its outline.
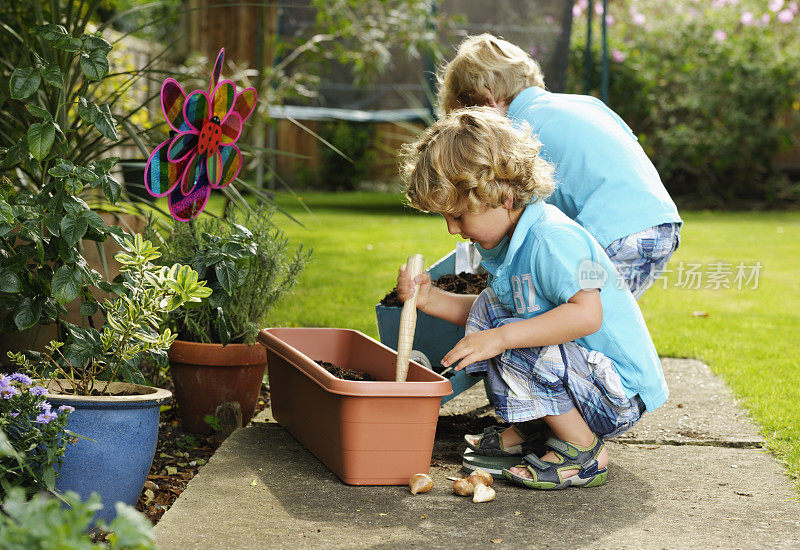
(548, 259)
(604, 180)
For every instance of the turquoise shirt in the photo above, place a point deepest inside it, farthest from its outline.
(604, 180)
(548, 259)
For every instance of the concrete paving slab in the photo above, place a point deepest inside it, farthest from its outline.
(263, 490)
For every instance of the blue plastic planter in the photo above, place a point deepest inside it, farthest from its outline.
(433, 336)
(123, 434)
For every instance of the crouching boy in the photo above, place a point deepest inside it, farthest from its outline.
(557, 335)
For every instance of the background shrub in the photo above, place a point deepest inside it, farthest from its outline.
(710, 88)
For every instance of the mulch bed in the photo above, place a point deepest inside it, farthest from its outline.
(179, 456)
(463, 283)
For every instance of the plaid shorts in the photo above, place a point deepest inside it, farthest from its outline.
(642, 256)
(528, 383)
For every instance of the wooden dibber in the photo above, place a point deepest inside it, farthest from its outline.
(408, 320)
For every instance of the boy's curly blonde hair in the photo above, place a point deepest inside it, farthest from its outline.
(478, 155)
(483, 65)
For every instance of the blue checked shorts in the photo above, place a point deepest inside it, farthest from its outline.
(642, 256)
(528, 383)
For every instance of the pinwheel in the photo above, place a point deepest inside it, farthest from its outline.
(201, 152)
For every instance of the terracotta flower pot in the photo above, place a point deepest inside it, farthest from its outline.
(367, 433)
(208, 375)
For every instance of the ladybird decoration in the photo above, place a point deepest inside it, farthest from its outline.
(201, 152)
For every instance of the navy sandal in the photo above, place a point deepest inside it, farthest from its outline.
(547, 475)
(490, 442)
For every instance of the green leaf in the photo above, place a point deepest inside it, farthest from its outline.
(97, 43)
(73, 228)
(17, 153)
(9, 282)
(105, 123)
(27, 313)
(40, 139)
(87, 110)
(24, 82)
(227, 276)
(223, 328)
(94, 65)
(6, 212)
(38, 112)
(68, 44)
(52, 75)
(51, 33)
(86, 174)
(73, 186)
(111, 188)
(62, 169)
(67, 283)
(93, 219)
(88, 308)
(51, 222)
(105, 164)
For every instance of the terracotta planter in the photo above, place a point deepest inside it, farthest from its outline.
(208, 375)
(367, 433)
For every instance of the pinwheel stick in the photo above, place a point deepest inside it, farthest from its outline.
(408, 320)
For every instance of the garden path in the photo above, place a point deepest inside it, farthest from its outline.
(691, 474)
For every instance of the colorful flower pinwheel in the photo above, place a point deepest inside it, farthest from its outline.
(201, 152)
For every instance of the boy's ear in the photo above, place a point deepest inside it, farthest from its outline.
(508, 204)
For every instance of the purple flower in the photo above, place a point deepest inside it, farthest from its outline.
(46, 417)
(775, 5)
(785, 16)
(19, 377)
(576, 11)
(793, 6)
(747, 18)
(610, 20)
(720, 35)
(38, 390)
(8, 392)
(13, 414)
(765, 18)
(4, 381)
(617, 55)
(66, 409)
(638, 19)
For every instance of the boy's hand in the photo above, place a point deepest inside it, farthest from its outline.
(405, 287)
(474, 347)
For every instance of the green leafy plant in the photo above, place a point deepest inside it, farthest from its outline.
(244, 261)
(711, 90)
(43, 522)
(51, 110)
(354, 140)
(35, 436)
(135, 323)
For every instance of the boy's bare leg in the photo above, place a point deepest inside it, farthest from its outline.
(569, 427)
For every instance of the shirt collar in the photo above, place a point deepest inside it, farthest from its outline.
(523, 99)
(503, 253)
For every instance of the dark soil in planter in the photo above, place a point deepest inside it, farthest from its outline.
(346, 374)
(463, 283)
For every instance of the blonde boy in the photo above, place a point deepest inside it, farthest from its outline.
(557, 338)
(606, 183)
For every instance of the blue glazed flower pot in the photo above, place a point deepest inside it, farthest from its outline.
(122, 432)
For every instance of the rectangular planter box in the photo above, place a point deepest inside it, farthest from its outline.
(433, 336)
(367, 433)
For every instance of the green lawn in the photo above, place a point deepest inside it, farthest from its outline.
(747, 337)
